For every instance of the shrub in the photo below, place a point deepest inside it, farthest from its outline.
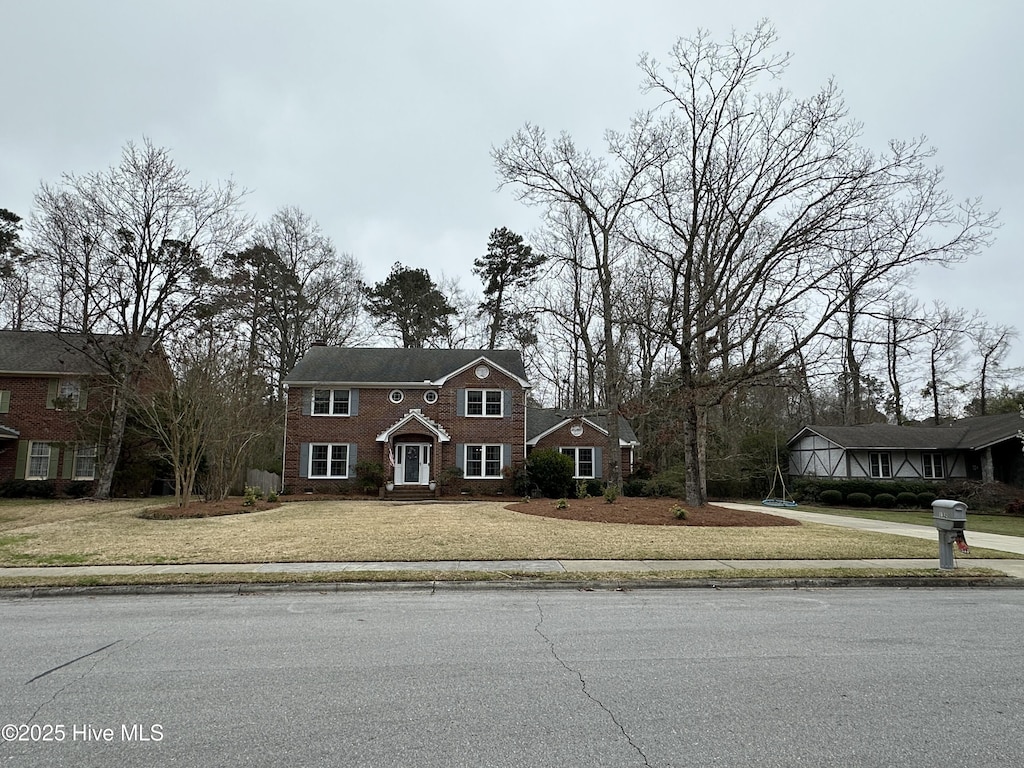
(36, 489)
(831, 497)
(906, 500)
(594, 487)
(884, 500)
(369, 475)
(519, 477)
(1015, 507)
(252, 495)
(858, 500)
(924, 500)
(635, 486)
(562, 504)
(78, 489)
(450, 479)
(611, 493)
(551, 472)
(678, 512)
(581, 490)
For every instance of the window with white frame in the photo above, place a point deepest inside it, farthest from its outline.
(328, 460)
(932, 465)
(881, 466)
(85, 463)
(331, 402)
(484, 402)
(38, 461)
(582, 461)
(483, 461)
(69, 392)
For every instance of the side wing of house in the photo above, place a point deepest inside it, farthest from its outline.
(584, 440)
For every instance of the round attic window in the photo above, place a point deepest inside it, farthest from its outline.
(482, 371)
(430, 396)
(576, 430)
(396, 396)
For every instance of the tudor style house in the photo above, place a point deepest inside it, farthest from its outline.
(985, 448)
(418, 412)
(44, 395)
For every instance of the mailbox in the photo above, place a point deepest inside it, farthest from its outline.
(949, 515)
(950, 518)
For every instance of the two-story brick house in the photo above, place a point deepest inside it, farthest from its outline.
(414, 411)
(45, 380)
(420, 411)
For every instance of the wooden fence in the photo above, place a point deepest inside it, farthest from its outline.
(265, 481)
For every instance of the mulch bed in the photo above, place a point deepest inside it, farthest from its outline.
(647, 511)
(229, 506)
(626, 509)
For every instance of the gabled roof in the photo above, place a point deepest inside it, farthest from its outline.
(43, 352)
(415, 415)
(541, 422)
(361, 365)
(973, 434)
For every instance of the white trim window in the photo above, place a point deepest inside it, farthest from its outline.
(85, 463)
(881, 465)
(485, 402)
(931, 466)
(582, 462)
(69, 393)
(331, 402)
(483, 461)
(328, 460)
(38, 467)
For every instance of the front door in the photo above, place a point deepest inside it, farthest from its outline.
(413, 467)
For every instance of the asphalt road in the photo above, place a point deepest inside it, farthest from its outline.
(530, 677)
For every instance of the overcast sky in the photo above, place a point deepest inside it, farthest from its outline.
(377, 118)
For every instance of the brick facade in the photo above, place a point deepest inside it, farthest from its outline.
(442, 425)
(590, 437)
(32, 416)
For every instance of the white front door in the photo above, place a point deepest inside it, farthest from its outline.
(412, 463)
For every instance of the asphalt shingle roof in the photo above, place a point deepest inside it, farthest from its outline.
(44, 352)
(394, 366)
(972, 433)
(540, 420)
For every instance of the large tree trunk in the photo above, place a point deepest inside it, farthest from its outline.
(115, 438)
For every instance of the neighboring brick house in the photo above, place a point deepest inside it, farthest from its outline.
(44, 399)
(583, 437)
(419, 412)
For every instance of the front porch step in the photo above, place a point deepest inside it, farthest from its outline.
(408, 493)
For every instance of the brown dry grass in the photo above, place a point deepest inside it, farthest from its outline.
(338, 531)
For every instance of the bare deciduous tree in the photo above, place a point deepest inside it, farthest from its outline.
(156, 240)
(769, 216)
(601, 192)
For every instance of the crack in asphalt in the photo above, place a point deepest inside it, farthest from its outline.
(69, 663)
(583, 686)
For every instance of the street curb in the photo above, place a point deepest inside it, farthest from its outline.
(431, 587)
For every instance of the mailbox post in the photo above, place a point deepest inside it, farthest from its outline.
(950, 518)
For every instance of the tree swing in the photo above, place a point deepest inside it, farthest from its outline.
(773, 500)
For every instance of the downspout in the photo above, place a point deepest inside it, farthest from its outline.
(284, 441)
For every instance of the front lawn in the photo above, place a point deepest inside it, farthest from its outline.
(94, 533)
